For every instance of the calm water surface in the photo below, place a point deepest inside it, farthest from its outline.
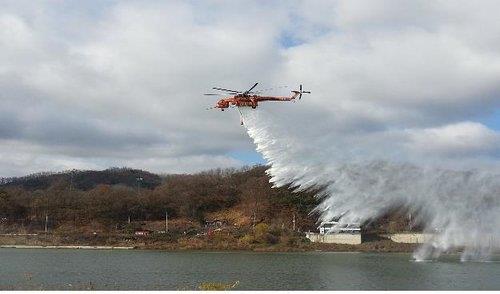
(160, 270)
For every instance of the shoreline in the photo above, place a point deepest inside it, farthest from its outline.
(88, 247)
(201, 250)
(166, 250)
(207, 250)
(196, 244)
(367, 248)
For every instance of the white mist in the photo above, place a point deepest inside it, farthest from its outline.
(461, 208)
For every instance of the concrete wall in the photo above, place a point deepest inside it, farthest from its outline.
(414, 238)
(340, 238)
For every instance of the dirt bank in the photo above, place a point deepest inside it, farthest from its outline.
(41, 241)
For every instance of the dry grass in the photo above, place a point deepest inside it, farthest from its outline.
(233, 216)
(211, 286)
(175, 224)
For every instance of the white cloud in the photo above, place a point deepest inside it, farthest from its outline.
(93, 84)
(461, 139)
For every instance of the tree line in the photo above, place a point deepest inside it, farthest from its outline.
(113, 196)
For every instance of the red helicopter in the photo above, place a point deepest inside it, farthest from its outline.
(249, 98)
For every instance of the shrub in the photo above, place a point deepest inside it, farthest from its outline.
(207, 286)
(169, 237)
(247, 239)
(276, 231)
(271, 239)
(260, 232)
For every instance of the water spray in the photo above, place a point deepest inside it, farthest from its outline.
(459, 208)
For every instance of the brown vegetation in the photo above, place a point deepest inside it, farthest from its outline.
(80, 207)
(218, 209)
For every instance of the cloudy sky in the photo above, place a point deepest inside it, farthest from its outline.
(95, 84)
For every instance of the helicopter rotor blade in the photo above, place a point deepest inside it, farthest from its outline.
(226, 90)
(212, 94)
(248, 91)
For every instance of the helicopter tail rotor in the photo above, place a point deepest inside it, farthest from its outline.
(301, 91)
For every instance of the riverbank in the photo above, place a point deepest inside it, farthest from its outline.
(66, 247)
(196, 244)
(384, 246)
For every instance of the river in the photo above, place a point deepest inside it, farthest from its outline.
(66, 269)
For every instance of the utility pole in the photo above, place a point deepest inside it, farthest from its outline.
(293, 221)
(71, 181)
(409, 222)
(139, 180)
(166, 221)
(47, 215)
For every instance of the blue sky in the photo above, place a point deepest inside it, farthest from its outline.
(493, 120)
(248, 157)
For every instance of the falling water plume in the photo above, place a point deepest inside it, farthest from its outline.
(460, 208)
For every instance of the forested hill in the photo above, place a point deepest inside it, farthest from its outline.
(85, 180)
(115, 196)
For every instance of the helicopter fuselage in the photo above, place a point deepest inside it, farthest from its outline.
(249, 100)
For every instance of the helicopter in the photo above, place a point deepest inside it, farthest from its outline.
(248, 98)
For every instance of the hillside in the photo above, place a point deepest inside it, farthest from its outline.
(109, 206)
(84, 180)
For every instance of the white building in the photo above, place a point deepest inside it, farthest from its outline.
(336, 227)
